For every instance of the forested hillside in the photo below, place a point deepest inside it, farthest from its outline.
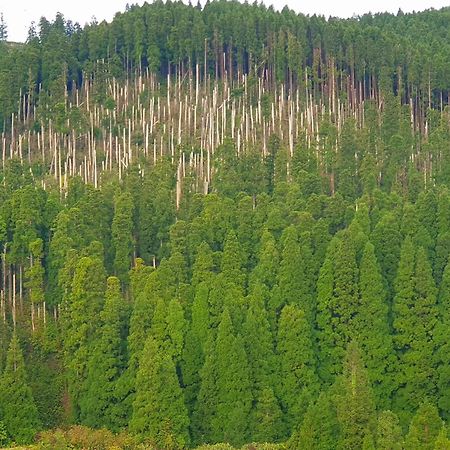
(226, 225)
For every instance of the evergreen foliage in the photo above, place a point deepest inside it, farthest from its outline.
(226, 224)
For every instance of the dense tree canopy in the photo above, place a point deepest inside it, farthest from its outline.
(226, 224)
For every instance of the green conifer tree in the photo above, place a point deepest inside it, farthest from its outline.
(18, 411)
(389, 433)
(122, 234)
(355, 404)
(298, 382)
(259, 347)
(320, 428)
(294, 285)
(337, 305)
(267, 419)
(442, 339)
(442, 442)
(268, 261)
(225, 398)
(159, 413)
(82, 309)
(387, 238)
(372, 329)
(99, 404)
(195, 346)
(415, 316)
(424, 428)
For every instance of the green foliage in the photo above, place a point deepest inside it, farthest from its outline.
(414, 324)
(99, 406)
(389, 433)
(17, 408)
(299, 383)
(159, 413)
(424, 428)
(355, 403)
(122, 237)
(225, 397)
(285, 179)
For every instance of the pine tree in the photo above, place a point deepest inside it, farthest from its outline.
(99, 404)
(18, 411)
(298, 385)
(159, 413)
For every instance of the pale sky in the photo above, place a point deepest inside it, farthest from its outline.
(19, 14)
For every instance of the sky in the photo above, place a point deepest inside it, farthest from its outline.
(18, 14)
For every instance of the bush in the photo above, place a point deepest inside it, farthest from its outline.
(84, 438)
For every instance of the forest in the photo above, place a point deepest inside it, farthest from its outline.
(226, 227)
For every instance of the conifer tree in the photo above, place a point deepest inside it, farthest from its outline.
(225, 397)
(355, 404)
(258, 341)
(442, 442)
(60, 244)
(372, 330)
(424, 428)
(267, 420)
(259, 347)
(99, 404)
(387, 239)
(35, 273)
(159, 413)
(442, 337)
(320, 428)
(82, 308)
(389, 433)
(122, 234)
(232, 260)
(139, 324)
(294, 285)
(268, 261)
(18, 411)
(176, 328)
(203, 265)
(298, 385)
(415, 315)
(337, 305)
(195, 345)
